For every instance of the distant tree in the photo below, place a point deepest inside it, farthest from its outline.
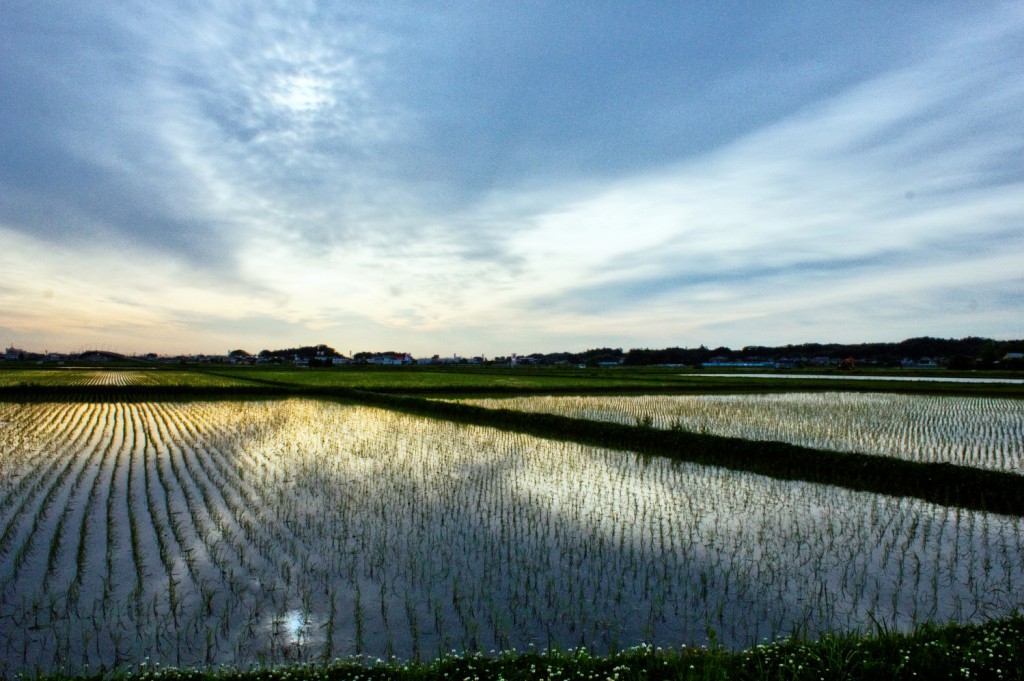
(984, 351)
(990, 353)
(305, 352)
(960, 362)
(238, 354)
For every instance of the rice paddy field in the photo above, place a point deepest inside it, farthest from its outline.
(83, 377)
(256, 532)
(972, 431)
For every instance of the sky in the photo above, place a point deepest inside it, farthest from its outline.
(497, 177)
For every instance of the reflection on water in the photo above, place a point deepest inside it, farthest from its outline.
(267, 532)
(982, 432)
(295, 627)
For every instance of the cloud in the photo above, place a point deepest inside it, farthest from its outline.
(182, 128)
(909, 172)
(536, 174)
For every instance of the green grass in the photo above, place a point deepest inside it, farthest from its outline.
(482, 380)
(13, 377)
(994, 650)
(470, 380)
(429, 379)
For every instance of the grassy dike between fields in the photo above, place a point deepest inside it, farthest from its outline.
(941, 483)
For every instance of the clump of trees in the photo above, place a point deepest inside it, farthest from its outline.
(964, 353)
(310, 352)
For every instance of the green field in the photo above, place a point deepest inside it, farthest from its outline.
(484, 380)
(81, 377)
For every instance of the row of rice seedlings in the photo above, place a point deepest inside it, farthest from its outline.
(21, 454)
(113, 377)
(77, 583)
(246, 502)
(59, 574)
(15, 377)
(192, 478)
(306, 530)
(112, 526)
(253, 544)
(48, 495)
(972, 431)
(30, 474)
(163, 517)
(36, 531)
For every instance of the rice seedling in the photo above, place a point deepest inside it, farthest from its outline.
(972, 431)
(297, 530)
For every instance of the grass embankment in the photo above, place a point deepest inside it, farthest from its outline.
(994, 650)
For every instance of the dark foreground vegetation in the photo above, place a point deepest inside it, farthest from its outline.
(994, 650)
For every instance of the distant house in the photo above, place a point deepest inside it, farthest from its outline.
(922, 363)
(326, 359)
(391, 359)
(746, 363)
(13, 354)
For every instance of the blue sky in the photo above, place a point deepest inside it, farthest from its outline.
(496, 177)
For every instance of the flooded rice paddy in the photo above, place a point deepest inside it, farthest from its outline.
(255, 533)
(972, 431)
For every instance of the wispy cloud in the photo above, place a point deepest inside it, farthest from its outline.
(904, 183)
(509, 177)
